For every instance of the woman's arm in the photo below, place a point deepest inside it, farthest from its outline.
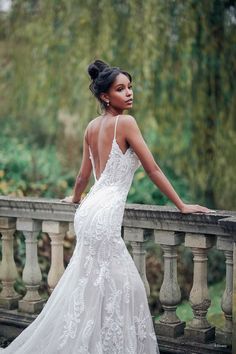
(135, 140)
(83, 176)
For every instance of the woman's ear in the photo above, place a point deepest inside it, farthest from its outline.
(104, 97)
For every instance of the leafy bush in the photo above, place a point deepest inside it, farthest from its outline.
(30, 171)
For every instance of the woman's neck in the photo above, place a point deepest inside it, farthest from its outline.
(111, 111)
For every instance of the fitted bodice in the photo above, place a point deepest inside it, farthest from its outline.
(119, 168)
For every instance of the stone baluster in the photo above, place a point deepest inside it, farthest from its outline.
(169, 325)
(8, 297)
(229, 224)
(199, 328)
(225, 336)
(71, 231)
(56, 231)
(71, 236)
(137, 240)
(32, 301)
(234, 293)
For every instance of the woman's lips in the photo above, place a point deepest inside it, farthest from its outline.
(129, 101)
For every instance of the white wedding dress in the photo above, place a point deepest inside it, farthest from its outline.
(99, 306)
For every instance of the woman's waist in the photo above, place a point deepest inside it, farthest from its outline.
(103, 197)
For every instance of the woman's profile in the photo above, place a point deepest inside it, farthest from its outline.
(99, 306)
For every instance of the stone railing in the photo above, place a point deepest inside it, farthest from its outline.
(166, 227)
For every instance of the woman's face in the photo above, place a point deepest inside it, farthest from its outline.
(120, 94)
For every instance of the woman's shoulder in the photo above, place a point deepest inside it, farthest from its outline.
(127, 120)
(93, 122)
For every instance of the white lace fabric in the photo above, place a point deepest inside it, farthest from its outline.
(99, 306)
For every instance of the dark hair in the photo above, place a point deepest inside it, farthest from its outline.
(103, 76)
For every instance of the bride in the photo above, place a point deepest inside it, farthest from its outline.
(99, 305)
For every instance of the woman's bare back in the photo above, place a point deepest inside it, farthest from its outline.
(100, 134)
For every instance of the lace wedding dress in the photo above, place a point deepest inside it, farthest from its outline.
(99, 305)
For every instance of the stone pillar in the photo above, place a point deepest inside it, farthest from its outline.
(56, 231)
(137, 240)
(32, 301)
(169, 325)
(234, 297)
(8, 274)
(225, 337)
(71, 231)
(199, 328)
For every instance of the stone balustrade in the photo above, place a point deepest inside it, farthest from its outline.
(166, 227)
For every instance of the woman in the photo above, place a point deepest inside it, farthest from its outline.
(99, 306)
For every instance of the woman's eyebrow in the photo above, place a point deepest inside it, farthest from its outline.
(122, 85)
(119, 85)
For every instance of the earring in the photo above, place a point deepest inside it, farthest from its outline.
(107, 103)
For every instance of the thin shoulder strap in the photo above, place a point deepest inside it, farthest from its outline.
(115, 127)
(92, 161)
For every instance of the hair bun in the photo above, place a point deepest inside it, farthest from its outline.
(96, 67)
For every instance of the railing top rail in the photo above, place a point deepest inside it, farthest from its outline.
(229, 224)
(37, 208)
(169, 218)
(136, 215)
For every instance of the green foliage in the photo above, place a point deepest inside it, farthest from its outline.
(182, 58)
(143, 191)
(28, 170)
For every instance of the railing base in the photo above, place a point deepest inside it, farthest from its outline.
(10, 303)
(170, 330)
(13, 322)
(31, 307)
(223, 337)
(200, 335)
(182, 345)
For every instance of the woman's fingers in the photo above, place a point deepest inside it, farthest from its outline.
(67, 199)
(206, 210)
(196, 209)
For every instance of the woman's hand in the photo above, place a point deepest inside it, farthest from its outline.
(68, 199)
(188, 208)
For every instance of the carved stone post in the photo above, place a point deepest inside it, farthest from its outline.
(56, 231)
(169, 325)
(225, 337)
(71, 231)
(234, 294)
(229, 224)
(137, 240)
(32, 301)
(8, 274)
(199, 328)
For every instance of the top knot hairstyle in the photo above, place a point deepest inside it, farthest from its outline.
(103, 76)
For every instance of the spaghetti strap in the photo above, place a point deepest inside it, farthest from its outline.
(115, 128)
(92, 161)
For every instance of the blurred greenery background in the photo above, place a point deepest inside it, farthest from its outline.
(182, 57)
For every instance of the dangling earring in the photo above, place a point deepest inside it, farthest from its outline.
(107, 103)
